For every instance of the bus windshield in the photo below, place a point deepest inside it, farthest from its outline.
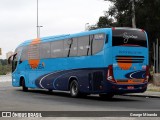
(127, 37)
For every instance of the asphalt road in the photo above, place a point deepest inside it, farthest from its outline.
(14, 99)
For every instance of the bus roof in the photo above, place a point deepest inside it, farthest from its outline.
(66, 36)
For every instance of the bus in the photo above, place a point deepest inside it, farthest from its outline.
(106, 61)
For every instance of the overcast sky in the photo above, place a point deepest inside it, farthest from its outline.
(18, 19)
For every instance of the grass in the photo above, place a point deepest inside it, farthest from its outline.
(154, 88)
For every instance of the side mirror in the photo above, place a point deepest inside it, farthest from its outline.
(9, 59)
(12, 56)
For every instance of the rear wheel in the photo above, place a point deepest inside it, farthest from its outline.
(24, 88)
(106, 96)
(49, 90)
(74, 89)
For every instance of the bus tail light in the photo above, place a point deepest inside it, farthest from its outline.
(110, 76)
(113, 28)
(147, 74)
(142, 30)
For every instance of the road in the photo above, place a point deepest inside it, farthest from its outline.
(14, 99)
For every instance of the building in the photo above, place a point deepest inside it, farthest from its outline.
(8, 54)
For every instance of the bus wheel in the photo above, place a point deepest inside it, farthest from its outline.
(74, 90)
(49, 90)
(106, 96)
(24, 88)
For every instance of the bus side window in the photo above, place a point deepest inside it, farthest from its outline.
(66, 46)
(33, 52)
(83, 45)
(24, 54)
(18, 51)
(45, 51)
(98, 43)
(74, 49)
(70, 47)
(57, 49)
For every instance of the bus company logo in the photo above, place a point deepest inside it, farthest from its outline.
(126, 37)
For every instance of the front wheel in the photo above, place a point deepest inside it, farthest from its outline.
(74, 89)
(24, 88)
(49, 90)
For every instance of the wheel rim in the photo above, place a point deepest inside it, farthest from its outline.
(74, 89)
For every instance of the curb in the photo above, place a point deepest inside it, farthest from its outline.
(146, 96)
(149, 94)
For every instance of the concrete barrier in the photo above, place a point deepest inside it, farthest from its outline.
(156, 79)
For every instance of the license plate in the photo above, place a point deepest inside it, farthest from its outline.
(130, 87)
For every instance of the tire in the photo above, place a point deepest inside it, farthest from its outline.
(74, 89)
(106, 96)
(24, 88)
(49, 90)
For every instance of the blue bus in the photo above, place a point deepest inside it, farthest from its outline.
(106, 61)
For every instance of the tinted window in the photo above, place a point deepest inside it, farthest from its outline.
(70, 47)
(98, 43)
(83, 45)
(66, 47)
(134, 38)
(33, 52)
(74, 48)
(24, 55)
(45, 50)
(18, 51)
(14, 62)
(57, 49)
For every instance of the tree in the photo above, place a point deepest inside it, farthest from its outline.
(105, 21)
(121, 11)
(146, 13)
(4, 67)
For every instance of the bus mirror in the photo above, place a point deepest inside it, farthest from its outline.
(9, 59)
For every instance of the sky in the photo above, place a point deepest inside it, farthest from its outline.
(18, 19)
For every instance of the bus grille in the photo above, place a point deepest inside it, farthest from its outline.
(130, 59)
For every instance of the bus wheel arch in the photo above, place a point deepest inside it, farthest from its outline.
(70, 80)
(23, 84)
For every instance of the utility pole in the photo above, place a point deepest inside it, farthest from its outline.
(38, 27)
(37, 21)
(157, 65)
(154, 52)
(133, 14)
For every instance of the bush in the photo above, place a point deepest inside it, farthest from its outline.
(4, 67)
